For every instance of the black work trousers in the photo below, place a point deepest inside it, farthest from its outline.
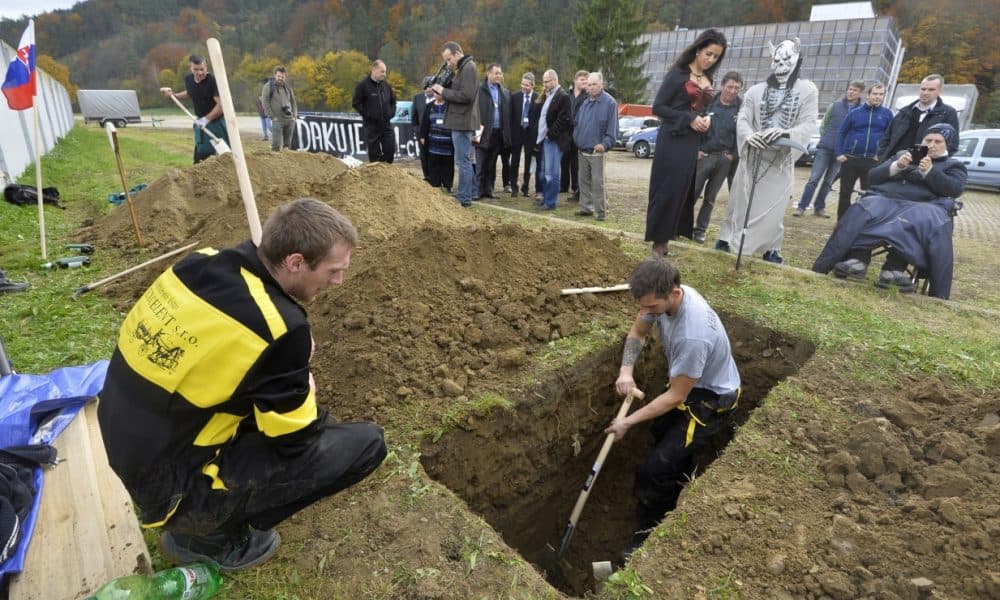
(670, 465)
(381, 143)
(854, 169)
(265, 487)
(569, 175)
(528, 148)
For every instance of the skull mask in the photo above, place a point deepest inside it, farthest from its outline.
(784, 58)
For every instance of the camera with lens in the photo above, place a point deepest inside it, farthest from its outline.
(918, 152)
(444, 76)
(286, 109)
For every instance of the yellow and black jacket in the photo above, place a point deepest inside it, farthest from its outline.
(213, 347)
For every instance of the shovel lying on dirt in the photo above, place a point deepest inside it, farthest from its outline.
(219, 144)
(551, 557)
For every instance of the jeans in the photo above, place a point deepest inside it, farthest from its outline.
(466, 191)
(265, 126)
(826, 163)
(551, 159)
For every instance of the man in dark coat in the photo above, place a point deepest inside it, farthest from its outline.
(494, 115)
(570, 164)
(555, 134)
(913, 120)
(376, 103)
(910, 206)
(524, 112)
(416, 117)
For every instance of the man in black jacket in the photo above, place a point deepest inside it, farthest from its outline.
(555, 134)
(912, 121)
(417, 111)
(570, 163)
(494, 115)
(376, 103)
(524, 112)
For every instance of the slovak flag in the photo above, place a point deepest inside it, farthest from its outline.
(19, 85)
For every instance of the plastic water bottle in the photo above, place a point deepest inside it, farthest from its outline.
(194, 582)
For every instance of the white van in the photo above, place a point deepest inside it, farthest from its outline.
(979, 149)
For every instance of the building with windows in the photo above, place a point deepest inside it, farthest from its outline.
(837, 47)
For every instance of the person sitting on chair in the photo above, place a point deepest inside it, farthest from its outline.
(909, 207)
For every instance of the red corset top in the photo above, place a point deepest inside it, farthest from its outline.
(700, 97)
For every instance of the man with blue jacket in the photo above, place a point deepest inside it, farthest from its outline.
(857, 142)
(824, 166)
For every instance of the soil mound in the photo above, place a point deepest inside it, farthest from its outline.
(203, 202)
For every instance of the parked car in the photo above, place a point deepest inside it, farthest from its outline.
(629, 126)
(979, 149)
(643, 144)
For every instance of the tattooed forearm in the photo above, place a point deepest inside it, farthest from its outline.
(633, 346)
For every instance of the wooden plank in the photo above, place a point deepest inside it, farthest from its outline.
(69, 555)
(129, 554)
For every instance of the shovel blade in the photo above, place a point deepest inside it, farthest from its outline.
(220, 146)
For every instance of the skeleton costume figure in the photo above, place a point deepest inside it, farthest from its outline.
(782, 107)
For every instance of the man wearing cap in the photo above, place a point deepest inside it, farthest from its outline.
(910, 207)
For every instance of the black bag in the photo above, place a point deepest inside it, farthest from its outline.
(27, 194)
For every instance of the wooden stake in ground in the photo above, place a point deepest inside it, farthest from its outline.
(239, 159)
(113, 138)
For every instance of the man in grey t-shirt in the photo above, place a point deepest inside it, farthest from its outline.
(704, 386)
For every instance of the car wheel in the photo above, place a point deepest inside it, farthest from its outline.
(641, 149)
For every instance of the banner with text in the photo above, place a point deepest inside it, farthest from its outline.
(342, 135)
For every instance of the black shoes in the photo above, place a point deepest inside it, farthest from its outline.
(722, 245)
(243, 551)
(896, 279)
(8, 286)
(583, 213)
(851, 269)
(772, 256)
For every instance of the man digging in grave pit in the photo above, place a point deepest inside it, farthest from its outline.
(209, 411)
(200, 86)
(703, 388)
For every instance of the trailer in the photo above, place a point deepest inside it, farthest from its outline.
(120, 107)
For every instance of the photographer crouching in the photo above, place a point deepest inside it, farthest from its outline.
(279, 104)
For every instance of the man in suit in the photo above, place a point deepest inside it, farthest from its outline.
(494, 116)
(555, 134)
(912, 121)
(524, 113)
(416, 118)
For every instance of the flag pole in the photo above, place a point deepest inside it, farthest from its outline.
(38, 184)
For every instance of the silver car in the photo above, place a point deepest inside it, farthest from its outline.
(979, 149)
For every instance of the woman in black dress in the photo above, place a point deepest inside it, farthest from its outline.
(680, 104)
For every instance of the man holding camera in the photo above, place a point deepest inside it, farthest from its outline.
(280, 105)
(376, 103)
(461, 91)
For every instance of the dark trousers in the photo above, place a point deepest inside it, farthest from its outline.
(711, 173)
(440, 170)
(515, 162)
(424, 160)
(569, 175)
(855, 168)
(486, 163)
(505, 166)
(670, 465)
(266, 487)
(381, 144)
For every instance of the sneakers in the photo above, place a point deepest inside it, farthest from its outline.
(699, 237)
(231, 554)
(722, 245)
(852, 269)
(821, 214)
(799, 212)
(772, 256)
(897, 279)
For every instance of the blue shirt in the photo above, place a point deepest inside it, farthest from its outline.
(495, 92)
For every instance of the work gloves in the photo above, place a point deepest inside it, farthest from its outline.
(201, 122)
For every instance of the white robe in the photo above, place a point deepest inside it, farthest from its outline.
(776, 174)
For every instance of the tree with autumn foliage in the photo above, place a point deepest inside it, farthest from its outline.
(59, 72)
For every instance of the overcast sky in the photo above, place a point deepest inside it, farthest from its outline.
(14, 9)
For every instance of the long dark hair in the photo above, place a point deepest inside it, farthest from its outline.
(707, 38)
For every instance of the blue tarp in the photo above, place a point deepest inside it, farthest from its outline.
(34, 409)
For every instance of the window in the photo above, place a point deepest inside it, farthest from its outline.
(991, 148)
(967, 146)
